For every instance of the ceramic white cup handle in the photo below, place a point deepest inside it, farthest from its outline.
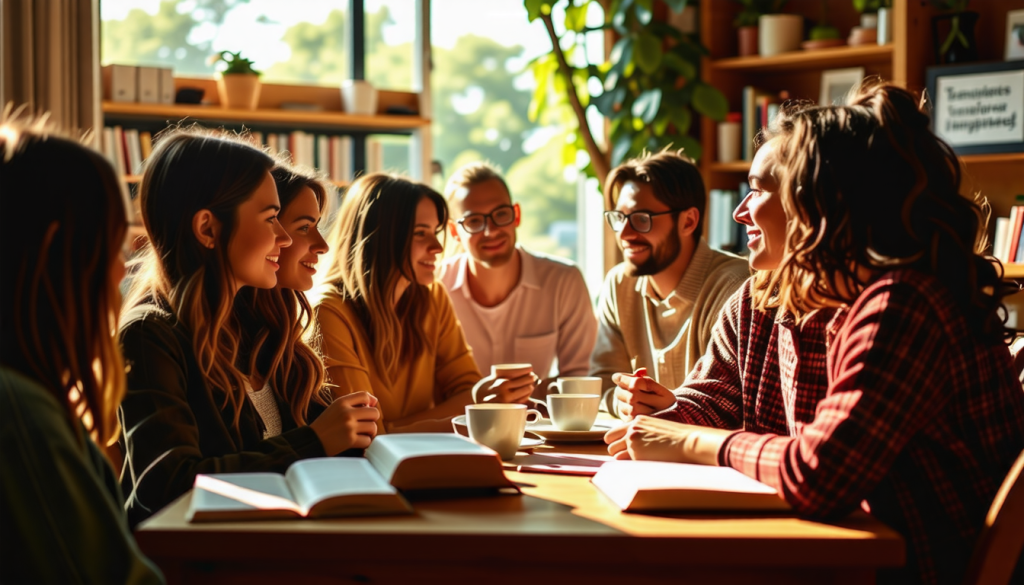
(535, 414)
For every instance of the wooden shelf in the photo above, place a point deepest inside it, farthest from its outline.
(131, 179)
(741, 166)
(1011, 270)
(1000, 158)
(808, 60)
(275, 116)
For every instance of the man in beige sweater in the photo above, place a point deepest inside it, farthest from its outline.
(658, 306)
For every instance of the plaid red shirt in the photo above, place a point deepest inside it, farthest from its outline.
(919, 424)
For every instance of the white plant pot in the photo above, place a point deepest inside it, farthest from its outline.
(869, 20)
(779, 33)
(358, 97)
(884, 26)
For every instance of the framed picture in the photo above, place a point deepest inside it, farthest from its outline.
(835, 83)
(1015, 35)
(979, 108)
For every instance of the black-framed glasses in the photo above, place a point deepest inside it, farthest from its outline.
(475, 223)
(640, 220)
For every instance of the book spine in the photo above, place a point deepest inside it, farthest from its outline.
(119, 160)
(999, 242)
(1015, 220)
(146, 143)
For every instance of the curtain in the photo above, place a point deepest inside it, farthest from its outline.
(49, 51)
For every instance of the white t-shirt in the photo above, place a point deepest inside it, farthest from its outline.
(266, 406)
(547, 320)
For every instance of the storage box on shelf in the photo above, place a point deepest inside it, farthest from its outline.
(321, 113)
(999, 177)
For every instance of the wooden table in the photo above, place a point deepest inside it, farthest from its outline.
(560, 531)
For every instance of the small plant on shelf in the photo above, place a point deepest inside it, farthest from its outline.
(239, 83)
(235, 61)
(746, 22)
(958, 46)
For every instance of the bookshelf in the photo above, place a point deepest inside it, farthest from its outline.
(999, 177)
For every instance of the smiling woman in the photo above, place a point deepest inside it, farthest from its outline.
(215, 383)
(385, 324)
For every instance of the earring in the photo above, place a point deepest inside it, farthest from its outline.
(210, 245)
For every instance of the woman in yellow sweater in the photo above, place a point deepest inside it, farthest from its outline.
(386, 327)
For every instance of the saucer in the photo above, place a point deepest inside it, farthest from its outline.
(529, 441)
(547, 429)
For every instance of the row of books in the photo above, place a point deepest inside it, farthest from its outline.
(127, 148)
(722, 232)
(1008, 245)
(759, 107)
(128, 83)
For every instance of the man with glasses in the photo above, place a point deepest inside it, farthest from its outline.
(658, 306)
(515, 306)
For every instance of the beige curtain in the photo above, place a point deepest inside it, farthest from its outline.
(49, 50)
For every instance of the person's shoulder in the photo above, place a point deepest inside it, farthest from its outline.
(553, 269)
(728, 266)
(26, 400)
(149, 319)
(449, 269)
(910, 289)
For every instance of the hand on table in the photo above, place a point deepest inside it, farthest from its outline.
(348, 422)
(502, 390)
(655, 439)
(638, 394)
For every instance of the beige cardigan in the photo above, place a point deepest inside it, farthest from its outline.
(627, 313)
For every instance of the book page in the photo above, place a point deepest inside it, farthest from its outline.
(241, 492)
(316, 480)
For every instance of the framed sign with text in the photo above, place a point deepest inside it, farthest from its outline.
(979, 108)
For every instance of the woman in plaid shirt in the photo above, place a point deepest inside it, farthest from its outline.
(919, 414)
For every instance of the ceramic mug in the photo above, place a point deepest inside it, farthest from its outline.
(499, 426)
(573, 412)
(576, 385)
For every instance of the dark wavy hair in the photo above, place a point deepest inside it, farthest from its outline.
(194, 168)
(275, 321)
(869, 188)
(62, 226)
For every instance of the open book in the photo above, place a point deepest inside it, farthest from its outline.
(334, 486)
(643, 486)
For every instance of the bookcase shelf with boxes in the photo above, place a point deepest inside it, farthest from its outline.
(754, 84)
(306, 121)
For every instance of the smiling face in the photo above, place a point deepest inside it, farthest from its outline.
(255, 246)
(761, 211)
(648, 253)
(298, 261)
(425, 245)
(495, 245)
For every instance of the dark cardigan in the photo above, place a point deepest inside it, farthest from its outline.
(174, 426)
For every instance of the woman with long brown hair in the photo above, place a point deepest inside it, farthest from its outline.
(386, 326)
(209, 388)
(62, 228)
(923, 415)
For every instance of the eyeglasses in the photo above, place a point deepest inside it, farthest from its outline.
(475, 223)
(640, 220)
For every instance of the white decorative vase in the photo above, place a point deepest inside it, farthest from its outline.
(779, 33)
(884, 25)
(358, 97)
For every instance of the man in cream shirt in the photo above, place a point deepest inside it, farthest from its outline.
(657, 307)
(515, 306)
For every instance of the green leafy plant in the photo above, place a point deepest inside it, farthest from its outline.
(955, 33)
(236, 63)
(753, 9)
(823, 30)
(870, 6)
(650, 89)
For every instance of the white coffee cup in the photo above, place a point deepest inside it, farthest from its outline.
(577, 385)
(358, 97)
(573, 412)
(499, 426)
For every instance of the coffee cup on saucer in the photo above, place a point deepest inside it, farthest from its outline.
(573, 412)
(499, 426)
(576, 385)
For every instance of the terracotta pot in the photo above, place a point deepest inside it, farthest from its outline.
(748, 40)
(239, 90)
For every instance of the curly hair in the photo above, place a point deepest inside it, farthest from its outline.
(869, 188)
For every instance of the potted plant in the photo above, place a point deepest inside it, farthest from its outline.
(239, 83)
(746, 23)
(823, 34)
(777, 32)
(957, 45)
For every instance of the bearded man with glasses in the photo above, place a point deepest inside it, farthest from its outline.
(658, 306)
(515, 306)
